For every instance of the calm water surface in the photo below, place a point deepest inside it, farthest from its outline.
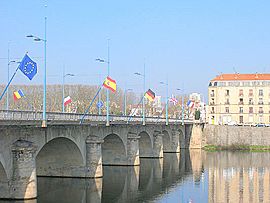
(191, 176)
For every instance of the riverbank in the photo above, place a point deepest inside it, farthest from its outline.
(250, 148)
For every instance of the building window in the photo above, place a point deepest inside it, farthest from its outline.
(210, 84)
(250, 110)
(212, 93)
(212, 101)
(227, 110)
(260, 92)
(250, 101)
(260, 119)
(241, 119)
(213, 110)
(260, 109)
(240, 109)
(250, 93)
(241, 93)
(227, 93)
(241, 101)
(227, 101)
(260, 101)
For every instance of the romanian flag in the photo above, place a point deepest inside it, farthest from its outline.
(150, 95)
(110, 84)
(18, 95)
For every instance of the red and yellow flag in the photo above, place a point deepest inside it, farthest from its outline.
(110, 84)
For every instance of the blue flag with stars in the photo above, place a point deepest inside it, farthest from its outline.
(28, 67)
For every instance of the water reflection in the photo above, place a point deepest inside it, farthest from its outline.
(238, 177)
(189, 176)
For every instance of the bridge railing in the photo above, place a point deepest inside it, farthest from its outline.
(57, 116)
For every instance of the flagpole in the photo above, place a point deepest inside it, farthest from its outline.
(91, 103)
(9, 83)
(135, 109)
(108, 93)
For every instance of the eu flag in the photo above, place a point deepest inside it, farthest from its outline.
(28, 67)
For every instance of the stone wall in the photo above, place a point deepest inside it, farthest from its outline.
(224, 135)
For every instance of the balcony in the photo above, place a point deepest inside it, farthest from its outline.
(212, 103)
(250, 102)
(227, 103)
(226, 95)
(241, 94)
(260, 103)
(250, 95)
(212, 112)
(212, 95)
(241, 103)
(260, 111)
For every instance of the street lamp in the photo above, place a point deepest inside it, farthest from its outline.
(125, 101)
(182, 104)
(143, 75)
(167, 120)
(10, 62)
(38, 39)
(63, 89)
(107, 91)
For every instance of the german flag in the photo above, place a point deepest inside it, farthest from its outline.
(110, 84)
(150, 95)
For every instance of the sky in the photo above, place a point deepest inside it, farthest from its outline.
(187, 41)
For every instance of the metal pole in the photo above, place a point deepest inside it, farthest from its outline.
(167, 121)
(63, 91)
(8, 81)
(44, 120)
(99, 98)
(143, 93)
(125, 102)
(108, 93)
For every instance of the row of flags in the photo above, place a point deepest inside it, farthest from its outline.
(29, 69)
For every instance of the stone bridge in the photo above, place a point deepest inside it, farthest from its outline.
(80, 151)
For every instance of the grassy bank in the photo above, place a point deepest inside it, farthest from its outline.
(251, 148)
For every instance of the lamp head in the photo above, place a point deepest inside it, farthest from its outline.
(29, 36)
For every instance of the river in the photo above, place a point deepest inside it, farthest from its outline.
(189, 177)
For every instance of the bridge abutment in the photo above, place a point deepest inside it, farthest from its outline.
(93, 157)
(24, 180)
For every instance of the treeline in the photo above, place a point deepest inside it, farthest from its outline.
(81, 96)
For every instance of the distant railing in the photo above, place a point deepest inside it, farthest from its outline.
(56, 116)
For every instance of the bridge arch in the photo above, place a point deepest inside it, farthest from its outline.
(3, 180)
(166, 139)
(113, 150)
(60, 157)
(145, 145)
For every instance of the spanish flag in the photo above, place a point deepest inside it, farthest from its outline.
(17, 95)
(150, 95)
(110, 84)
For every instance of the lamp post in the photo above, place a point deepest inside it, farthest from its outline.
(143, 100)
(167, 120)
(10, 62)
(107, 92)
(38, 39)
(63, 89)
(125, 101)
(182, 104)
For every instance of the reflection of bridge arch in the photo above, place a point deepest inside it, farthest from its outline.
(3, 181)
(113, 150)
(166, 139)
(145, 145)
(59, 157)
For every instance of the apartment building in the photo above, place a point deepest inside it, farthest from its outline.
(239, 99)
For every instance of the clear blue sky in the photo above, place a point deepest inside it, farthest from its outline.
(190, 41)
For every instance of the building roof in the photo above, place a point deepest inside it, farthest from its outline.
(238, 76)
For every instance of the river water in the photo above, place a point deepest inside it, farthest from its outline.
(192, 176)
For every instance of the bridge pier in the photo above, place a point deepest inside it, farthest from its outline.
(175, 142)
(24, 179)
(133, 149)
(93, 157)
(157, 145)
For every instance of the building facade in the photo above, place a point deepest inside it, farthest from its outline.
(239, 99)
